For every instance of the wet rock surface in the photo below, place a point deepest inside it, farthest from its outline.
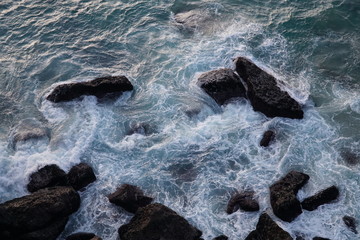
(98, 87)
(222, 85)
(80, 176)
(130, 198)
(83, 236)
(156, 221)
(350, 222)
(267, 138)
(244, 200)
(264, 93)
(283, 198)
(325, 196)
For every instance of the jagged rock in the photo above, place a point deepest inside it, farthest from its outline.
(156, 221)
(264, 93)
(320, 198)
(41, 215)
(83, 236)
(222, 85)
(267, 138)
(221, 237)
(283, 195)
(48, 176)
(350, 222)
(98, 87)
(267, 229)
(245, 201)
(80, 176)
(129, 197)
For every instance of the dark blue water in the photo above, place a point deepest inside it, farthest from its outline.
(191, 164)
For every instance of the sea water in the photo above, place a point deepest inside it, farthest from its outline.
(195, 154)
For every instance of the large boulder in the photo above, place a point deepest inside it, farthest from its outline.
(244, 200)
(283, 198)
(129, 197)
(98, 87)
(48, 176)
(42, 214)
(267, 229)
(264, 93)
(83, 236)
(156, 221)
(325, 196)
(222, 85)
(80, 176)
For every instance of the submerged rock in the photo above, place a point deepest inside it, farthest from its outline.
(350, 222)
(156, 221)
(245, 201)
(48, 176)
(43, 213)
(267, 229)
(130, 198)
(222, 85)
(80, 176)
(140, 128)
(325, 196)
(350, 157)
(83, 236)
(195, 19)
(283, 198)
(98, 87)
(264, 93)
(267, 138)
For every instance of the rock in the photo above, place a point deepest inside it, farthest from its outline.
(221, 237)
(43, 213)
(83, 236)
(222, 85)
(195, 19)
(322, 197)
(320, 238)
(264, 93)
(267, 229)
(48, 176)
(98, 87)
(350, 222)
(156, 221)
(350, 157)
(245, 201)
(283, 195)
(129, 197)
(267, 138)
(140, 128)
(80, 176)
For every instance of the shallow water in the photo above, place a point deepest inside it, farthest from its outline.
(190, 163)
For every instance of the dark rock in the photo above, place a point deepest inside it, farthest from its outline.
(283, 195)
(350, 222)
(245, 201)
(350, 157)
(156, 221)
(323, 197)
(221, 237)
(40, 213)
(98, 87)
(80, 176)
(130, 198)
(83, 236)
(267, 229)
(222, 85)
(264, 93)
(48, 176)
(140, 128)
(320, 238)
(267, 138)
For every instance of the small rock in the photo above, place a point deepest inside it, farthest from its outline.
(320, 238)
(80, 176)
(283, 195)
(350, 157)
(325, 196)
(83, 236)
(156, 221)
(222, 85)
(267, 138)
(245, 201)
(221, 237)
(350, 222)
(98, 87)
(130, 198)
(263, 92)
(48, 176)
(267, 229)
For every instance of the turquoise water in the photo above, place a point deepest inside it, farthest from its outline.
(191, 164)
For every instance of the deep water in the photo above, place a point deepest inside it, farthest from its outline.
(191, 163)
